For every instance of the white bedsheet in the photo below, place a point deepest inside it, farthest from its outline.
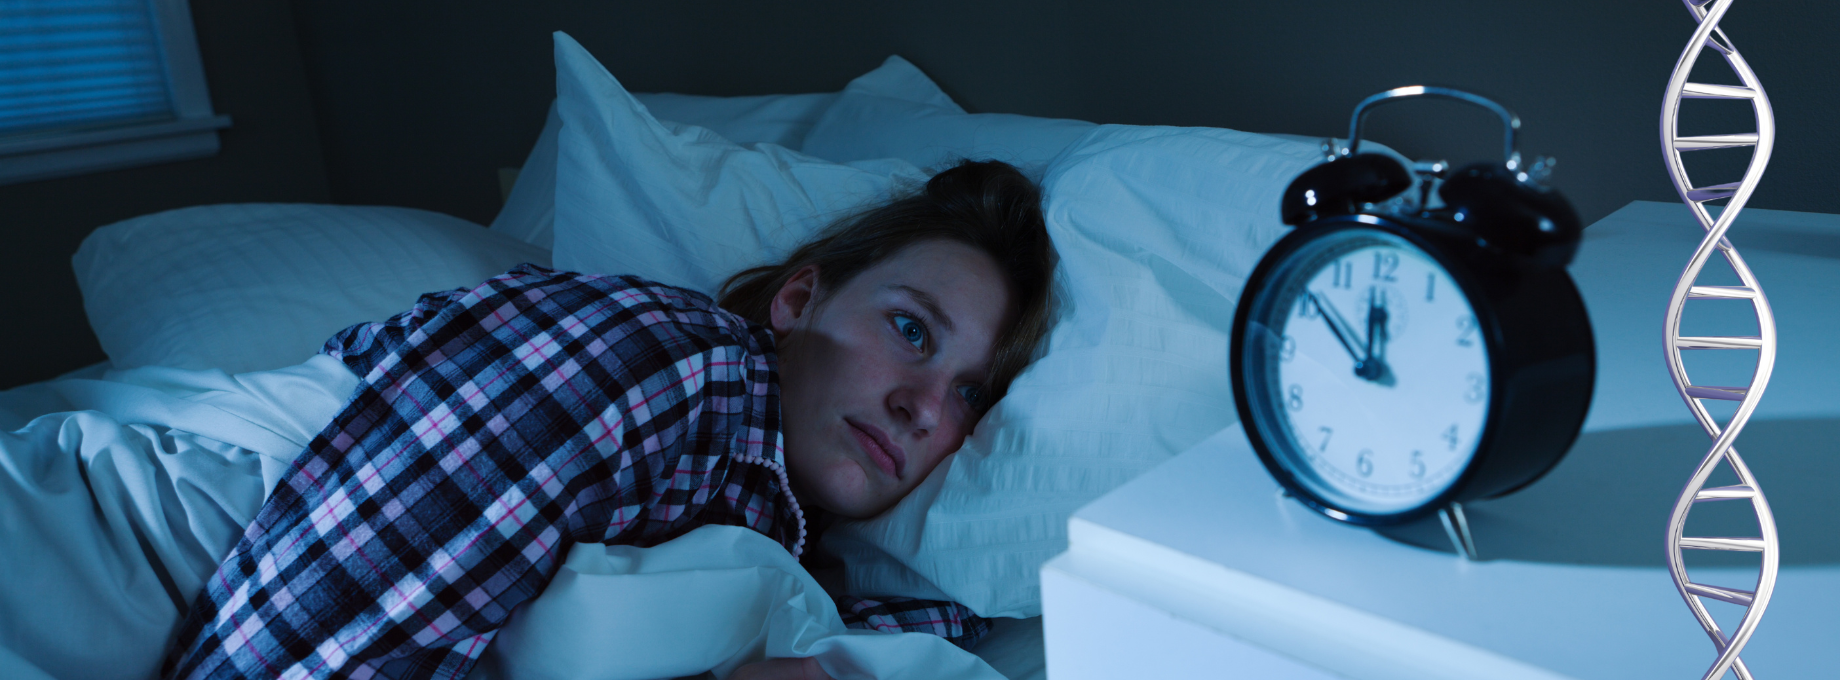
(114, 510)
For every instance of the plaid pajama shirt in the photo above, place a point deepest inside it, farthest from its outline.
(492, 427)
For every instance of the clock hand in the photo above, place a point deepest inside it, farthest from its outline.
(1375, 368)
(1344, 333)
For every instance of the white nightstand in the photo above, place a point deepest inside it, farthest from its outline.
(1200, 569)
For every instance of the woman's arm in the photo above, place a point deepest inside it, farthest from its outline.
(950, 620)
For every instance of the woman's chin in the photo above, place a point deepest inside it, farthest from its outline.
(843, 490)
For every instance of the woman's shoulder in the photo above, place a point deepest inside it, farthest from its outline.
(669, 312)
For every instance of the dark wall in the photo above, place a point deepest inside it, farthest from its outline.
(271, 153)
(421, 100)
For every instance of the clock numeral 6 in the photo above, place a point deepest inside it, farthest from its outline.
(1417, 466)
(1294, 398)
(1364, 463)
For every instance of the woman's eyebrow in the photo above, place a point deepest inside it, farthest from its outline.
(927, 302)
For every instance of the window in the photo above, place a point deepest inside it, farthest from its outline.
(90, 85)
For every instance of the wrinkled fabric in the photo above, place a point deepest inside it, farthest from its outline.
(493, 427)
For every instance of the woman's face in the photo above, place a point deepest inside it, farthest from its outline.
(882, 378)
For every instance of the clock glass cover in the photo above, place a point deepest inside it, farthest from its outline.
(1369, 365)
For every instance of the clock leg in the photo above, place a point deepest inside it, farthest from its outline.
(1456, 526)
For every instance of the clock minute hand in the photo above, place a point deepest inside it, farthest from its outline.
(1344, 333)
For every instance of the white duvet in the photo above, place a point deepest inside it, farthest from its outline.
(117, 505)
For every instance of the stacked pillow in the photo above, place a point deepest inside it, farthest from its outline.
(897, 112)
(1156, 228)
(529, 213)
(678, 203)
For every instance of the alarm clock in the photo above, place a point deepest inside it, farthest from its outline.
(1394, 356)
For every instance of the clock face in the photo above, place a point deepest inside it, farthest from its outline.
(1369, 375)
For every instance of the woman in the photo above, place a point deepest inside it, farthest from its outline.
(494, 426)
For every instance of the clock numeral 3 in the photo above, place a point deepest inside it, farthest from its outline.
(1475, 392)
(1466, 331)
(1295, 398)
(1417, 466)
(1385, 266)
(1364, 463)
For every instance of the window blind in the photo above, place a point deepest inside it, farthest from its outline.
(68, 64)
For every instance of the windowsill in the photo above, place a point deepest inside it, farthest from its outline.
(30, 158)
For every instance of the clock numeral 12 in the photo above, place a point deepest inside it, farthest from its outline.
(1385, 265)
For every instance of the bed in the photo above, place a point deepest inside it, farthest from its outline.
(126, 480)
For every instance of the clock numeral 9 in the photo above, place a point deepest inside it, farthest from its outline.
(1475, 392)
(1343, 274)
(1287, 349)
(1417, 466)
(1385, 266)
(1295, 398)
(1466, 331)
(1364, 463)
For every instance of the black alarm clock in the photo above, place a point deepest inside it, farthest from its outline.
(1393, 357)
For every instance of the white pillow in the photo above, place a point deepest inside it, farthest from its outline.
(251, 287)
(1157, 229)
(529, 213)
(679, 204)
(895, 111)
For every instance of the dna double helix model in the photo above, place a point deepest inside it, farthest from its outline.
(1708, 36)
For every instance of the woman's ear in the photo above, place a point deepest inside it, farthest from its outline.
(795, 301)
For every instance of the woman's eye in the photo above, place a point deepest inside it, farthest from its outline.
(911, 330)
(972, 395)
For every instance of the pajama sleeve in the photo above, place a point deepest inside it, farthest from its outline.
(949, 620)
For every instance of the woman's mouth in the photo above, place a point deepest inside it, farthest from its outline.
(880, 449)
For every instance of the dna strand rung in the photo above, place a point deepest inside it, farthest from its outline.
(1709, 36)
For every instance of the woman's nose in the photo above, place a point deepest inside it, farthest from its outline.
(920, 401)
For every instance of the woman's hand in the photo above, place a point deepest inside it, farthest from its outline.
(782, 669)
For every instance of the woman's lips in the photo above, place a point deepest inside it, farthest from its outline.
(883, 451)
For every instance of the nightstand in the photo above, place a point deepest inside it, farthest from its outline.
(1199, 568)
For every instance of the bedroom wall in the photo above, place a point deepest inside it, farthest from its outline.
(271, 153)
(423, 100)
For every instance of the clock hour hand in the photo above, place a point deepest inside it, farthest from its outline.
(1374, 368)
(1344, 333)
